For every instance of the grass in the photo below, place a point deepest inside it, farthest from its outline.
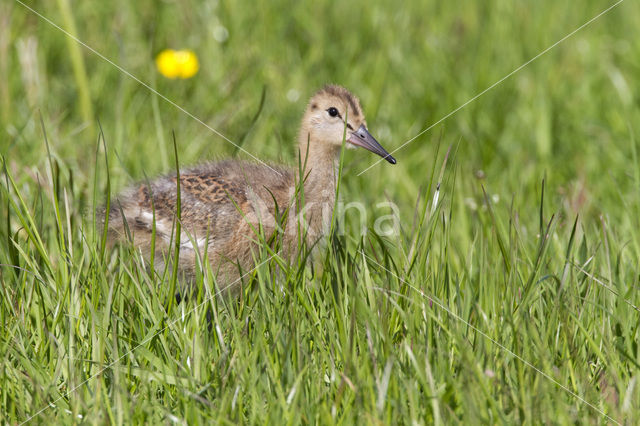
(513, 299)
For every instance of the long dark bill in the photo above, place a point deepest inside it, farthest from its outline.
(363, 138)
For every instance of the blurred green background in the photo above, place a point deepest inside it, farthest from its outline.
(570, 115)
(572, 118)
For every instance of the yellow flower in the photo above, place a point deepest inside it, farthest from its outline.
(177, 63)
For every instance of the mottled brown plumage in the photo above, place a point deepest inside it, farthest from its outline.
(227, 207)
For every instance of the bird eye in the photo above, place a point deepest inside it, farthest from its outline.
(333, 112)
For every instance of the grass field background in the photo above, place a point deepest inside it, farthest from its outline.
(511, 299)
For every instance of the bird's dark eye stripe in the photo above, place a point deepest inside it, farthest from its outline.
(349, 126)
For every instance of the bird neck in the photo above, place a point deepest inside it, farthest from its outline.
(320, 163)
(320, 172)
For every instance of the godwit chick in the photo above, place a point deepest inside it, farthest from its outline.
(229, 207)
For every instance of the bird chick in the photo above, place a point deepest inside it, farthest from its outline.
(228, 208)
